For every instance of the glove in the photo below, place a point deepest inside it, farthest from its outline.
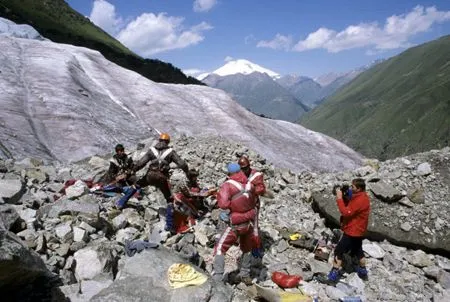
(224, 216)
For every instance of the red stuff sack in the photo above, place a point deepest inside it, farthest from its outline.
(284, 280)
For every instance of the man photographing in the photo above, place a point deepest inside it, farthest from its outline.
(354, 221)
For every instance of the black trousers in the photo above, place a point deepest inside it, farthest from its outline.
(349, 244)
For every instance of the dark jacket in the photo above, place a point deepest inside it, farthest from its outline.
(117, 166)
(161, 160)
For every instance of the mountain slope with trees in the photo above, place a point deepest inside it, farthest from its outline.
(400, 106)
(57, 21)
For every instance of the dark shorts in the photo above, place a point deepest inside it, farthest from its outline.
(349, 244)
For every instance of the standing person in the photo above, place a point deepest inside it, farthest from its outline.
(354, 221)
(257, 180)
(120, 171)
(160, 156)
(236, 196)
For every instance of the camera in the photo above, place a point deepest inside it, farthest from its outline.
(346, 192)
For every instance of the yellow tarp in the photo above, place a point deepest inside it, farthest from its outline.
(181, 275)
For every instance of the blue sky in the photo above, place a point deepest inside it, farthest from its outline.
(287, 36)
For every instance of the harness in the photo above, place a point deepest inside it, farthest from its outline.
(160, 158)
(243, 190)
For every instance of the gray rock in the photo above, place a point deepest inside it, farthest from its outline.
(385, 191)
(84, 291)
(79, 234)
(424, 169)
(406, 226)
(11, 190)
(94, 261)
(64, 232)
(443, 278)
(120, 221)
(373, 249)
(36, 175)
(20, 267)
(140, 280)
(431, 272)
(73, 207)
(78, 189)
(10, 219)
(419, 258)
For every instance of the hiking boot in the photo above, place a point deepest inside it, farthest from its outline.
(362, 273)
(334, 275)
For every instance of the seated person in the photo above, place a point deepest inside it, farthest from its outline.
(187, 206)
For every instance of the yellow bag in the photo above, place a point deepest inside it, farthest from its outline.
(181, 275)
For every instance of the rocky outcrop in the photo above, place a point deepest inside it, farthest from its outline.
(418, 222)
(82, 239)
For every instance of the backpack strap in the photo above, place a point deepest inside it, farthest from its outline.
(243, 190)
(253, 176)
(160, 157)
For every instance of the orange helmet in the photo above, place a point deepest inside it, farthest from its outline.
(164, 137)
(244, 162)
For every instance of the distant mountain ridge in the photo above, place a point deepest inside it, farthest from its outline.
(260, 94)
(398, 107)
(272, 95)
(57, 21)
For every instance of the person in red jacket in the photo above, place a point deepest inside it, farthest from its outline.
(354, 221)
(257, 180)
(236, 196)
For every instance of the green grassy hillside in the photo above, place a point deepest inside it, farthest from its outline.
(57, 21)
(398, 107)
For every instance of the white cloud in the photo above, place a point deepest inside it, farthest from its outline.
(228, 59)
(104, 15)
(203, 5)
(279, 42)
(149, 33)
(193, 72)
(395, 33)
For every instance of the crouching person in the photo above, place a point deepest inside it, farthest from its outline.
(236, 196)
(354, 221)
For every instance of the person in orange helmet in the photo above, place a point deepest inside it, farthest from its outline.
(160, 156)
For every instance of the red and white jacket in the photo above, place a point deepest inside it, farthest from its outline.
(237, 195)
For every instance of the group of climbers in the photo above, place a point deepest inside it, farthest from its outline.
(238, 199)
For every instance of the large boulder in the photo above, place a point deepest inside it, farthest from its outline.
(381, 227)
(67, 206)
(22, 271)
(11, 190)
(144, 278)
(10, 219)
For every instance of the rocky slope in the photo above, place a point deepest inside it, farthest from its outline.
(80, 237)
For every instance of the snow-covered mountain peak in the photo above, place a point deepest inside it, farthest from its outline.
(241, 66)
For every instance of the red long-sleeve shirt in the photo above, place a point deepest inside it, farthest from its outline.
(355, 216)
